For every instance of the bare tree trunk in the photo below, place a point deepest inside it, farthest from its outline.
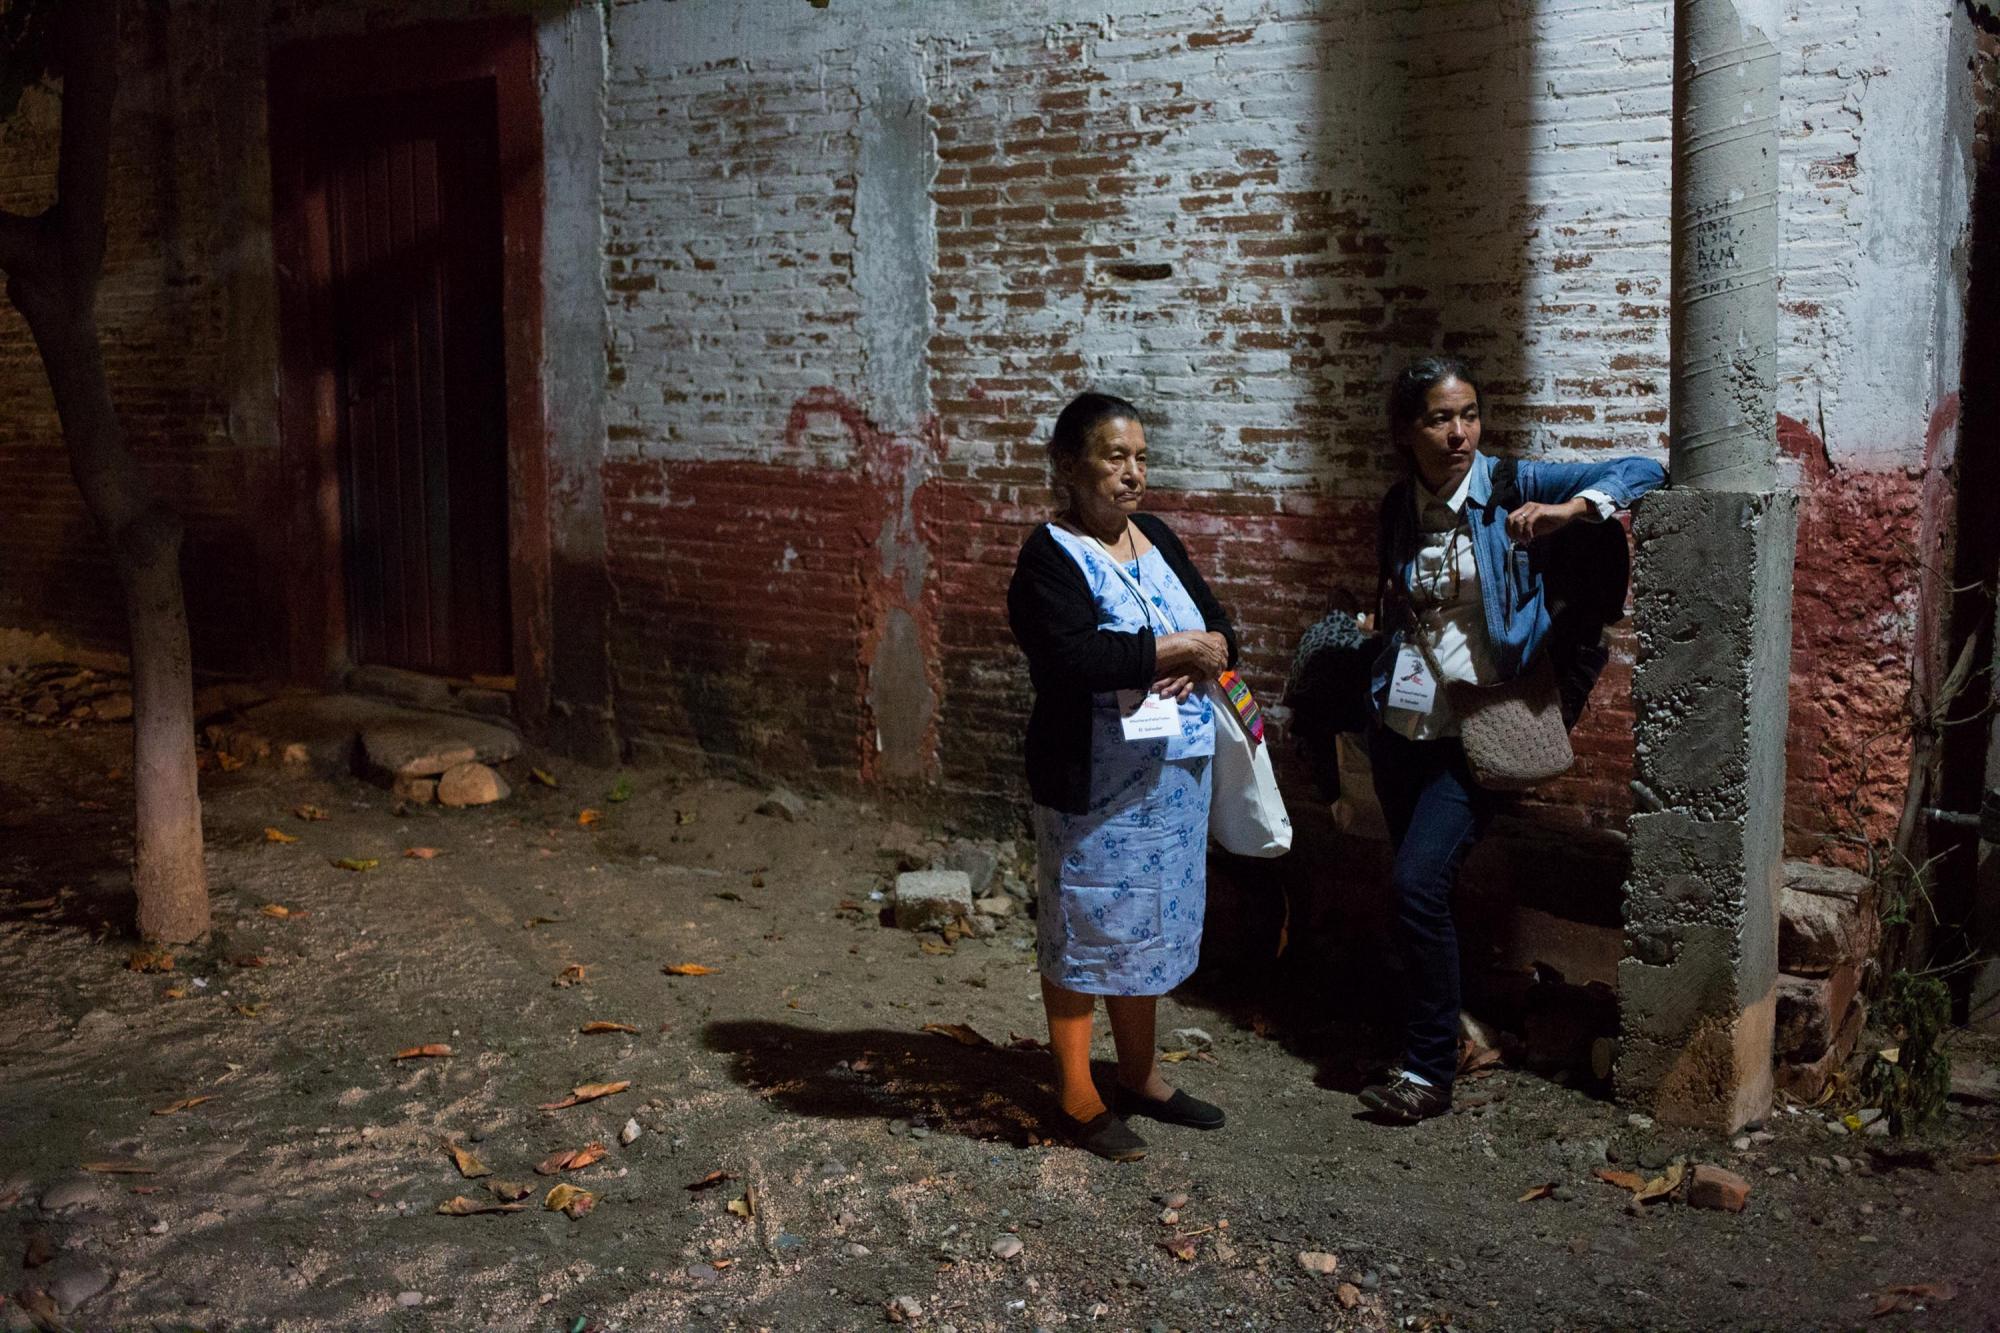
(53, 263)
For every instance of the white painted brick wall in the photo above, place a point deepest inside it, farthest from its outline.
(1508, 164)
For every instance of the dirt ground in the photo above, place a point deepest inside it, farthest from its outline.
(867, 1160)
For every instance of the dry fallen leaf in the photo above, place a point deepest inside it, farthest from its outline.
(1173, 1057)
(1624, 1180)
(1181, 1247)
(566, 1198)
(40, 1307)
(709, 1181)
(420, 853)
(310, 813)
(555, 1162)
(430, 1050)
(1538, 1192)
(249, 960)
(936, 947)
(174, 993)
(573, 975)
(687, 970)
(1914, 1296)
(745, 1206)
(586, 1092)
(585, 818)
(248, 1010)
(120, 1167)
(508, 1190)
(280, 911)
(587, 1155)
(468, 1166)
(1473, 1057)
(460, 1206)
(227, 762)
(1659, 1187)
(358, 864)
(277, 835)
(543, 776)
(596, 1026)
(185, 1103)
(958, 1032)
(150, 960)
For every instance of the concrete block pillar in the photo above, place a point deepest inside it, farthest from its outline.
(1698, 984)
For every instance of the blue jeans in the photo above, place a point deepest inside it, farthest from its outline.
(1435, 812)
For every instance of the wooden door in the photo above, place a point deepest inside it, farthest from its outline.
(409, 184)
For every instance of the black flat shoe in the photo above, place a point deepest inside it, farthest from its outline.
(1105, 1135)
(1179, 1109)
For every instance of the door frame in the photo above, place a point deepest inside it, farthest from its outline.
(303, 77)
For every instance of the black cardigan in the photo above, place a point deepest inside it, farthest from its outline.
(1054, 619)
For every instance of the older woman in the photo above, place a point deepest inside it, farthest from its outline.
(1463, 604)
(1120, 634)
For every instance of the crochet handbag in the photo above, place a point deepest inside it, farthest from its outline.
(1513, 732)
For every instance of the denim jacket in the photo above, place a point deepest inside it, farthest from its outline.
(1510, 577)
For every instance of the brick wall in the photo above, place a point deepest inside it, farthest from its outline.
(1242, 216)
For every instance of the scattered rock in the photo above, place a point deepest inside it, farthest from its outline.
(1713, 1187)
(999, 905)
(417, 791)
(783, 803)
(410, 1298)
(1318, 1261)
(1741, 1143)
(79, 1284)
(1822, 922)
(630, 1134)
(1188, 1039)
(74, 1193)
(903, 1309)
(854, 1249)
(113, 708)
(1007, 1247)
(416, 748)
(978, 860)
(1177, 1199)
(1655, 1156)
(928, 899)
(472, 784)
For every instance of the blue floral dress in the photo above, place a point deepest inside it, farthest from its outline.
(1124, 886)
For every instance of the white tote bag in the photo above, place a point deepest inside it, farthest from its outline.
(1246, 811)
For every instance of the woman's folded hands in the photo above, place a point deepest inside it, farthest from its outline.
(1186, 660)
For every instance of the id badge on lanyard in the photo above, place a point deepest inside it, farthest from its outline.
(1145, 716)
(1411, 685)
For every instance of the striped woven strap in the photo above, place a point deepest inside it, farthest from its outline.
(1244, 703)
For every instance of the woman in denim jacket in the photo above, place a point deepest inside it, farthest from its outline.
(1454, 558)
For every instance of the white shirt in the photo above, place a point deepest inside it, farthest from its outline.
(1444, 594)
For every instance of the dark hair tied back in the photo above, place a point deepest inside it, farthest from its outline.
(1411, 391)
(1085, 413)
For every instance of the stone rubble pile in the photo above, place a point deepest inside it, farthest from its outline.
(63, 694)
(1827, 933)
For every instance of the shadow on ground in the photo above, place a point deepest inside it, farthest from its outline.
(981, 1092)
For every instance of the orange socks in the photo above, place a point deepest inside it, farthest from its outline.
(1070, 1014)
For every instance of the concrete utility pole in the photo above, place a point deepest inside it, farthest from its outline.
(1698, 983)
